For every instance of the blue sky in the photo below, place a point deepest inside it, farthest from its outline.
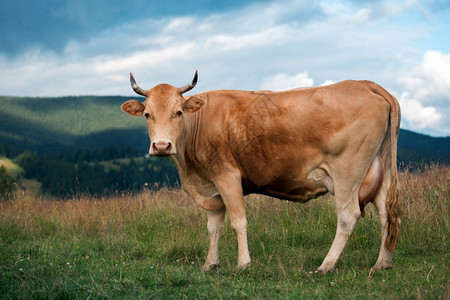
(80, 47)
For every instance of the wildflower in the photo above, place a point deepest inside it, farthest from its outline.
(20, 270)
(437, 195)
(68, 264)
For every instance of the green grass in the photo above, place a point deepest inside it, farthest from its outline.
(151, 245)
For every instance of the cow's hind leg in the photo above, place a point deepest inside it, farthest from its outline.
(348, 212)
(215, 225)
(384, 260)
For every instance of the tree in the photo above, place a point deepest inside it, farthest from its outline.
(7, 185)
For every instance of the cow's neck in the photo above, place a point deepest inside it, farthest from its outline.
(186, 143)
(202, 190)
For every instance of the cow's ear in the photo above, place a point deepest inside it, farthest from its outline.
(134, 108)
(192, 104)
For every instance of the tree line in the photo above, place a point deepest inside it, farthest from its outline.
(110, 170)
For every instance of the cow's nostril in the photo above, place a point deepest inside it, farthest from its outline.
(161, 148)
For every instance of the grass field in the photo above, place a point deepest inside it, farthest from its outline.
(151, 245)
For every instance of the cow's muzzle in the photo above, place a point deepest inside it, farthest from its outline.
(162, 148)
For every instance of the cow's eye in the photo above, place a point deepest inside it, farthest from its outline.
(179, 113)
(148, 116)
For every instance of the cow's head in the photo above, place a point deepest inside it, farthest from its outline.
(164, 109)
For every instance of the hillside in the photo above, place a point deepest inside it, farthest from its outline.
(418, 147)
(11, 168)
(66, 124)
(16, 171)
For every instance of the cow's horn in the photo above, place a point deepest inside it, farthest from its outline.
(190, 86)
(137, 88)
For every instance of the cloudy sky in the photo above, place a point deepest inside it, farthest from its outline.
(85, 47)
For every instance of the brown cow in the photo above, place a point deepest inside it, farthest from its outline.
(295, 145)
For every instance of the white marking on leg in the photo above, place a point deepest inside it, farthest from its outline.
(384, 260)
(239, 225)
(347, 218)
(215, 225)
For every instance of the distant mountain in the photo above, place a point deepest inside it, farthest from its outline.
(418, 147)
(66, 124)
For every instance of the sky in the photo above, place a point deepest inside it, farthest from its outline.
(85, 47)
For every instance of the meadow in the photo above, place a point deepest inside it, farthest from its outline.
(152, 244)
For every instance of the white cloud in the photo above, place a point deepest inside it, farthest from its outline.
(416, 115)
(141, 59)
(430, 81)
(328, 82)
(425, 101)
(268, 37)
(179, 23)
(282, 81)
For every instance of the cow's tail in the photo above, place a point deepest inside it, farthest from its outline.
(393, 204)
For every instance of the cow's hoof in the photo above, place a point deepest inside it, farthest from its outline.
(316, 272)
(320, 271)
(382, 266)
(210, 267)
(244, 266)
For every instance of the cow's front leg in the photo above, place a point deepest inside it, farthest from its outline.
(239, 225)
(215, 225)
(230, 189)
(206, 195)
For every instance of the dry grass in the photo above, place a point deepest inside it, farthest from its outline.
(425, 197)
(88, 216)
(425, 192)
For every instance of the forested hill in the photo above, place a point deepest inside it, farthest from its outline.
(418, 147)
(65, 124)
(68, 123)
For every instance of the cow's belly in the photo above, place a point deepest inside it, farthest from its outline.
(302, 188)
(299, 194)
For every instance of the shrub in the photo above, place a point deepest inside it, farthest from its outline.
(7, 185)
